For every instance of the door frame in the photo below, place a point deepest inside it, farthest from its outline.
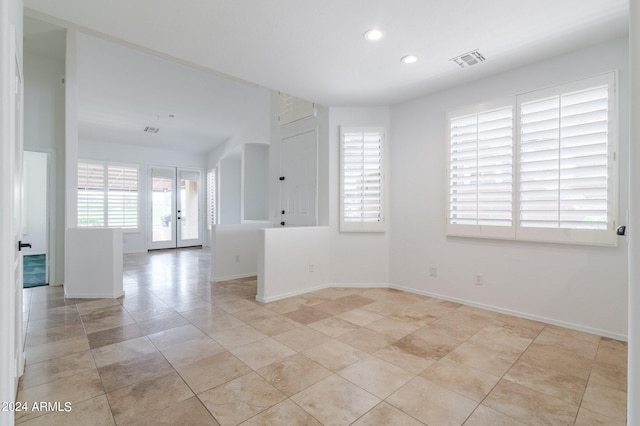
(51, 211)
(175, 242)
(11, 128)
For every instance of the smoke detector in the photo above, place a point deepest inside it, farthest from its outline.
(468, 59)
(151, 129)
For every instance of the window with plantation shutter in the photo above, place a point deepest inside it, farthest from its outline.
(481, 171)
(212, 212)
(122, 197)
(91, 194)
(567, 165)
(361, 180)
(561, 183)
(107, 195)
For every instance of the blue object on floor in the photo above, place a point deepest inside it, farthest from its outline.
(34, 270)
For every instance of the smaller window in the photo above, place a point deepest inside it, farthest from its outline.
(361, 179)
(107, 195)
(212, 212)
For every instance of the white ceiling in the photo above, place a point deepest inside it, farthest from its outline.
(122, 90)
(224, 54)
(315, 49)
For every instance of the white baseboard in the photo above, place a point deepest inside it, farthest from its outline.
(233, 277)
(514, 313)
(93, 295)
(320, 287)
(498, 309)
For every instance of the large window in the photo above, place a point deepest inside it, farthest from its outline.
(539, 168)
(107, 195)
(361, 180)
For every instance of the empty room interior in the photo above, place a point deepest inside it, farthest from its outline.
(322, 213)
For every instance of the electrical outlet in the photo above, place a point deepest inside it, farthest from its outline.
(433, 271)
(311, 267)
(479, 279)
(237, 258)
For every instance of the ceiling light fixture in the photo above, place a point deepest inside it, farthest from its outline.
(409, 59)
(373, 35)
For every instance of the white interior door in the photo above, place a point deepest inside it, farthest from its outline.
(298, 191)
(175, 208)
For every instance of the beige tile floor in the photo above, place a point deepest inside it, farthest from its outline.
(179, 350)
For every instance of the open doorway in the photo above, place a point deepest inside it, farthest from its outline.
(35, 218)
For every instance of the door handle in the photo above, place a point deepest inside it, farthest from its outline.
(22, 245)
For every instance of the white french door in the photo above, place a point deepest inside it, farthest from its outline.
(175, 211)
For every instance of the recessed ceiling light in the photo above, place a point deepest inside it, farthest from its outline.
(409, 59)
(373, 35)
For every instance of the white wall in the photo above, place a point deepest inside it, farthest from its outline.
(578, 286)
(230, 189)
(633, 370)
(95, 263)
(292, 261)
(338, 259)
(256, 129)
(34, 202)
(44, 126)
(234, 251)
(255, 182)
(356, 257)
(136, 241)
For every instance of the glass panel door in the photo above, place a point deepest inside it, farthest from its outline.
(175, 208)
(163, 183)
(189, 208)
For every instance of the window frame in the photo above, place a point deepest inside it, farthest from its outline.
(212, 198)
(363, 226)
(106, 165)
(601, 237)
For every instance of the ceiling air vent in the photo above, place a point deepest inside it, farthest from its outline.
(468, 59)
(151, 129)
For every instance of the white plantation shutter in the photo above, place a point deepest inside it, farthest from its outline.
(212, 213)
(562, 184)
(91, 194)
(361, 201)
(564, 161)
(481, 171)
(107, 195)
(480, 168)
(122, 197)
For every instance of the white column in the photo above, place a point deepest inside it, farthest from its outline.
(71, 130)
(633, 387)
(71, 139)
